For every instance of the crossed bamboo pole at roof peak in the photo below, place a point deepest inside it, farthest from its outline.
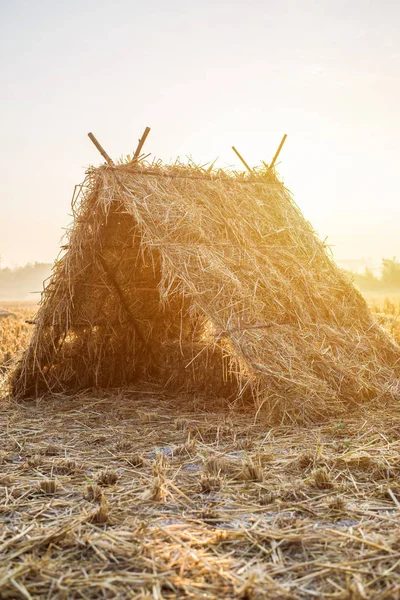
(137, 154)
(273, 162)
(109, 160)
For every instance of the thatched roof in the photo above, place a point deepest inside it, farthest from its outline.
(204, 282)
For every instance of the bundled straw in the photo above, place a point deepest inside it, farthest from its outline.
(209, 282)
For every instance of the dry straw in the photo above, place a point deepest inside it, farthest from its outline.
(327, 527)
(209, 282)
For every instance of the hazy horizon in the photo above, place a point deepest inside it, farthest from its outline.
(355, 265)
(203, 77)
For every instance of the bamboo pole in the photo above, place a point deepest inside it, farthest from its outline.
(242, 159)
(101, 149)
(271, 166)
(140, 145)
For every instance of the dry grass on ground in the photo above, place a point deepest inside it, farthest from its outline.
(145, 496)
(15, 333)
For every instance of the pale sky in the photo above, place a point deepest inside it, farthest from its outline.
(203, 75)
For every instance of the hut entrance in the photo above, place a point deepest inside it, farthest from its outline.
(125, 327)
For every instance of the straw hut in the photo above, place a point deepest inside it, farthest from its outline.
(203, 281)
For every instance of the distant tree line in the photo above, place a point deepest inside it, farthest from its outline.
(387, 281)
(21, 283)
(26, 283)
